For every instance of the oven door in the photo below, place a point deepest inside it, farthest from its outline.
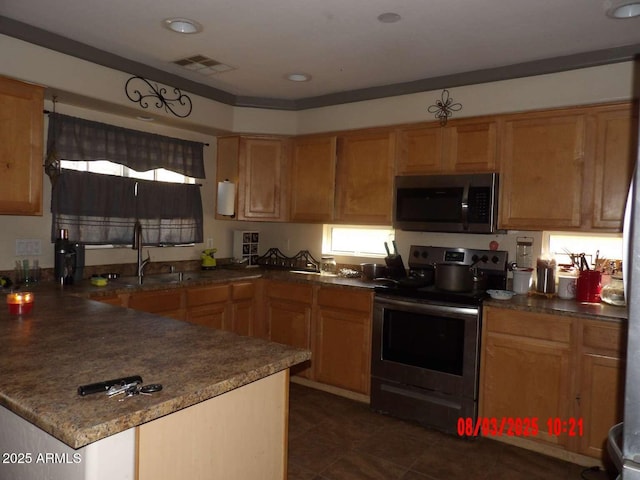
(429, 346)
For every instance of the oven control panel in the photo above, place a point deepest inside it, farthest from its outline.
(427, 256)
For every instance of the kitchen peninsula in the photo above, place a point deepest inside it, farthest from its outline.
(222, 410)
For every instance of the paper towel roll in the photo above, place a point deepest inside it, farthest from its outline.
(226, 198)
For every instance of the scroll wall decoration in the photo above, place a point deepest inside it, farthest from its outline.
(444, 108)
(142, 91)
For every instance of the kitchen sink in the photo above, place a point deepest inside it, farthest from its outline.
(155, 279)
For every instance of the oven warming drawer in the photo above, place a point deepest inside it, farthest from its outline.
(428, 408)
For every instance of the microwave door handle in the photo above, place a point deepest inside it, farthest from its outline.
(465, 207)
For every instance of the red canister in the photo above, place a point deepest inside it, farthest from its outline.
(588, 286)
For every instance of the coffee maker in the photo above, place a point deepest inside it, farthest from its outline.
(68, 259)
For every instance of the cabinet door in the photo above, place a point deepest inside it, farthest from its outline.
(601, 401)
(364, 178)
(167, 303)
(207, 305)
(227, 167)
(343, 339)
(601, 391)
(213, 315)
(288, 312)
(263, 187)
(472, 146)
(243, 309)
(420, 150)
(525, 369)
(542, 168)
(21, 150)
(117, 300)
(313, 176)
(615, 152)
(290, 323)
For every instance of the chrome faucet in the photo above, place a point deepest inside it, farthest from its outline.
(137, 245)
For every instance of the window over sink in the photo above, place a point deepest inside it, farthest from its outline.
(356, 241)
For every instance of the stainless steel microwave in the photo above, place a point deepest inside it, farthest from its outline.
(446, 203)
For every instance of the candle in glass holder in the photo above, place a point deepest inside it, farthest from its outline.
(20, 303)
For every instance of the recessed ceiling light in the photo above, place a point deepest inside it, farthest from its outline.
(389, 17)
(623, 9)
(299, 77)
(182, 25)
(145, 118)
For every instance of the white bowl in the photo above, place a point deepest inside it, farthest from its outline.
(501, 294)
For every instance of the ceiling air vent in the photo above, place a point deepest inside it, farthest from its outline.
(203, 65)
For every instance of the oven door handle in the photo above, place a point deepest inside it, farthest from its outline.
(448, 310)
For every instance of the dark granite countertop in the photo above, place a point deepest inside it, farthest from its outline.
(67, 341)
(557, 306)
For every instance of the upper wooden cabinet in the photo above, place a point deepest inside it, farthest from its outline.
(364, 178)
(21, 147)
(259, 165)
(461, 146)
(567, 169)
(313, 179)
(542, 170)
(614, 157)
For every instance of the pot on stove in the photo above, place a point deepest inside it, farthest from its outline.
(454, 277)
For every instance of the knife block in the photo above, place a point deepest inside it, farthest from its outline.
(395, 266)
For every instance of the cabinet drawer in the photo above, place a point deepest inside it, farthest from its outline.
(527, 324)
(604, 336)
(206, 295)
(156, 301)
(290, 291)
(343, 299)
(243, 291)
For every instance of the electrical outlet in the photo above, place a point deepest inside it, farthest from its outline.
(28, 248)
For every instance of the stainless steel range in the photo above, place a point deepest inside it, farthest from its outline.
(426, 340)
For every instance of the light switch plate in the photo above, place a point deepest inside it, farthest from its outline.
(28, 248)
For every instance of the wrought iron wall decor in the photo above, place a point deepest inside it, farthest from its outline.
(179, 104)
(444, 107)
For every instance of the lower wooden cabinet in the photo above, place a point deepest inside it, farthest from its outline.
(602, 369)
(525, 371)
(167, 303)
(288, 311)
(243, 311)
(342, 344)
(207, 305)
(333, 322)
(566, 372)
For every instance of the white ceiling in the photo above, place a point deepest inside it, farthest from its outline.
(339, 42)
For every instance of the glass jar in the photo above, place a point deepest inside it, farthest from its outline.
(524, 250)
(327, 265)
(613, 292)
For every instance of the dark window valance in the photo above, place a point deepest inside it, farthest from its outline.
(76, 139)
(103, 209)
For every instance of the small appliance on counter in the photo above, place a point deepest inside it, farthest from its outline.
(68, 259)
(208, 259)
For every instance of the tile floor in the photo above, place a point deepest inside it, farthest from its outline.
(333, 438)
